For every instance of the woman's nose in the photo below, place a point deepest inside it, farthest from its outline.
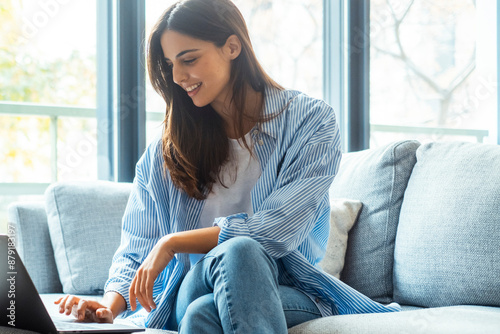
(179, 75)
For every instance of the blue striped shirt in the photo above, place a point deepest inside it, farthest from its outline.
(299, 153)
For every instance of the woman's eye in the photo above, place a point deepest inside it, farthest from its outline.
(190, 61)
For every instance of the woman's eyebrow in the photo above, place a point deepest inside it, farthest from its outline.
(180, 54)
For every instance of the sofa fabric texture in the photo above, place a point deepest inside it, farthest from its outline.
(84, 222)
(448, 241)
(444, 320)
(38, 257)
(377, 178)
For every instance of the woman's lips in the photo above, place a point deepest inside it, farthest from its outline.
(193, 89)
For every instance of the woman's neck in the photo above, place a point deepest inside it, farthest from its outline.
(252, 108)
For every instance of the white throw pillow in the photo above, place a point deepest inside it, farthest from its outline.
(343, 215)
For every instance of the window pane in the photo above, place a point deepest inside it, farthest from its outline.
(433, 70)
(287, 36)
(47, 52)
(77, 149)
(24, 149)
(48, 95)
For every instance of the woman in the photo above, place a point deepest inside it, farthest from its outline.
(229, 214)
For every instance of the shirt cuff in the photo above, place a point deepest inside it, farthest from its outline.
(232, 226)
(120, 289)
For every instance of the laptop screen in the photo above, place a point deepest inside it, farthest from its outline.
(20, 301)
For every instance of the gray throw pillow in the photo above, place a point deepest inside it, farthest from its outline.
(378, 178)
(85, 228)
(448, 241)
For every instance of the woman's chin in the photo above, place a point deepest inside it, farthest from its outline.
(200, 104)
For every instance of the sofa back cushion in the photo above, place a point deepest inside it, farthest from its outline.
(448, 240)
(84, 222)
(378, 178)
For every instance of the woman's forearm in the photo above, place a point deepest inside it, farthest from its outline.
(199, 241)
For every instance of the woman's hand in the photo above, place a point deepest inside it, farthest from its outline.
(84, 310)
(142, 284)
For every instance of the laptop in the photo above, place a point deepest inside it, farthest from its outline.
(22, 307)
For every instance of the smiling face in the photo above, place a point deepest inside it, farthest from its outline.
(201, 68)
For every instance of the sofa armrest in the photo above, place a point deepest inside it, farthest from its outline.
(29, 221)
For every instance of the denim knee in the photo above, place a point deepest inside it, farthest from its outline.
(242, 245)
(201, 317)
(244, 248)
(244, 255)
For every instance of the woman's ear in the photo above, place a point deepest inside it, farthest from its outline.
(233, 47)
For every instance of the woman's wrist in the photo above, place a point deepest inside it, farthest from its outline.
(169, 244)
(115, 302)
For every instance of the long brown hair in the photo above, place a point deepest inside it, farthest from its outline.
(195, 143)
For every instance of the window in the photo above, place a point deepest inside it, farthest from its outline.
(47, 100)
(287, 36)
(433, 70)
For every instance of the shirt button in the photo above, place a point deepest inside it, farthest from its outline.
(261, 142)
(255, 132)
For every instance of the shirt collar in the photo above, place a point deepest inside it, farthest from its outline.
(275, 101)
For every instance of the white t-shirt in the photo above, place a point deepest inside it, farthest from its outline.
(239, 175)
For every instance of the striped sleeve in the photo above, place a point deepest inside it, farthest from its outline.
(140, 231)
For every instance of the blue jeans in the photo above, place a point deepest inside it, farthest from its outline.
(234, 289)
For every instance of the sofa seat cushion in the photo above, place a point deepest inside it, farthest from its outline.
(378, 178)
(448, 241)
(445, 320)
(85, 229)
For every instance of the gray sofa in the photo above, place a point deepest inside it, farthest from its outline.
(427, 237)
